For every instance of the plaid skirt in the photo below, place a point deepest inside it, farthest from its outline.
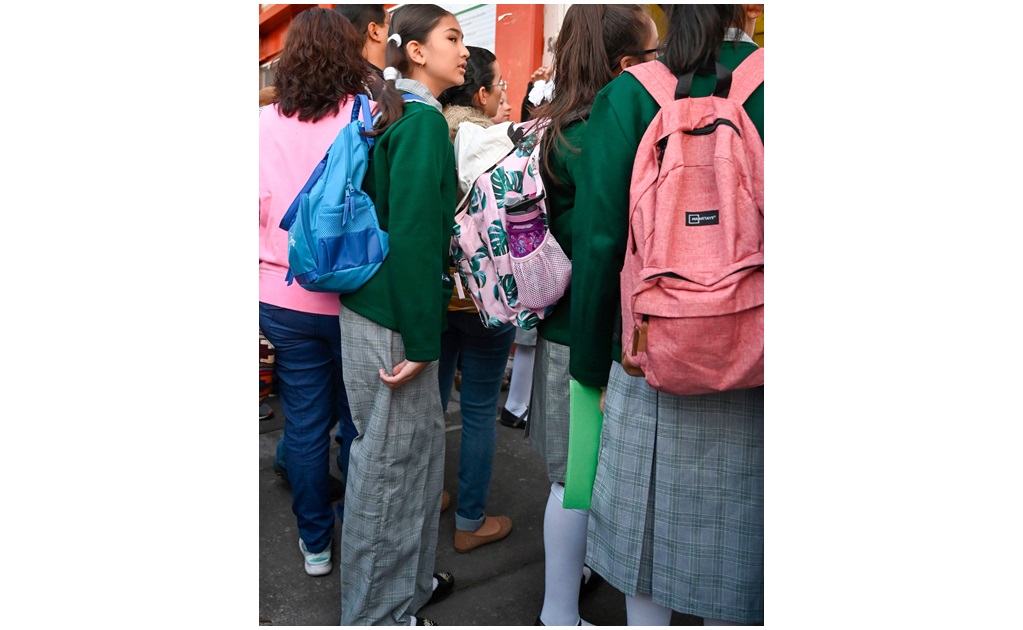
(678, 500)
(395, 474)
(548, 407)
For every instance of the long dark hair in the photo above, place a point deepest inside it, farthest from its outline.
(360, 15)
(320, 66)
(479, 72)
(593, 40)
(696, 32)
(413, 22)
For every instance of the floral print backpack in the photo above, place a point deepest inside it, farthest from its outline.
(519, 284)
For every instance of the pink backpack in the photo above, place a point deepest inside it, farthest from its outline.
(692, 286)
(508, 282)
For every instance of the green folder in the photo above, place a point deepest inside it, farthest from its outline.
(584, 423)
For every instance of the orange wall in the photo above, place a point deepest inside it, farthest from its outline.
(518, 46)
(518, 41)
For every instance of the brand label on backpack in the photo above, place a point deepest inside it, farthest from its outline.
(710, 217)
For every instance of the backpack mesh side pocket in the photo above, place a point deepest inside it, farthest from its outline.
(542, 275)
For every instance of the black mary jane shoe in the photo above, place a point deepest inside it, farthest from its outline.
(509, 419)
(445, 585)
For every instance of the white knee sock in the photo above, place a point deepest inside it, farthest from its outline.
(521, 385)
(564, 542)
(642, 611)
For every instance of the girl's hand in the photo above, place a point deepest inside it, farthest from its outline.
(402, 373)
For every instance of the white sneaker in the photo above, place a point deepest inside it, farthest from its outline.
(316, 563)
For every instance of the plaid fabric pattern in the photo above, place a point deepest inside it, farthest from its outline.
(548, 407)
(525, 337)
(395, 473)
(678, 501)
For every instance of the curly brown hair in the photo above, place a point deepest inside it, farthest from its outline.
(321, 65)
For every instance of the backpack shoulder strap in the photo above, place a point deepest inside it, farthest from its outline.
(362, 105)
(657, 79)
(747, 76)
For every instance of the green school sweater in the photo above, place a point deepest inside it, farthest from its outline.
(620, 115)
(560, 209)
(411, 179)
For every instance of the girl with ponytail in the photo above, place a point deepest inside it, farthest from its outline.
(595, 44)
(677, 511)
(391, 330)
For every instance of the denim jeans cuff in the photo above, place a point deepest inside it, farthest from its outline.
(468, 524)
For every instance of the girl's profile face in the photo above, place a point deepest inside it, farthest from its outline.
(444, 56)
(503, 111)
(495, 92)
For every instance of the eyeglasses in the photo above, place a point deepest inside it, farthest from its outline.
(503, 85)
(648, 51)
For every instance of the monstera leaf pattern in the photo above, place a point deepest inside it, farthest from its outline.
(527, 320)
(504, 181)
(511, 290)
(474, 266)
(498, 238)
(478, 202)
(526, 146)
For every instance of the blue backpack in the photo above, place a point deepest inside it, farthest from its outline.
(335, 243)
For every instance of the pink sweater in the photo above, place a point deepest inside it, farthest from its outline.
(288, 152)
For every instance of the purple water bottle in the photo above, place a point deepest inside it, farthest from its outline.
(524, 224)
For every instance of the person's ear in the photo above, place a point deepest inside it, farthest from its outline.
(376, 32)
(415, 53)
(627, 62)
(480, 97)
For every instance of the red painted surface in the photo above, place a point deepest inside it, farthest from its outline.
(518, 46)
(273, 24)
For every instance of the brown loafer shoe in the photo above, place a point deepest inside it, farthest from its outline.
(445, 500)
(467, 541)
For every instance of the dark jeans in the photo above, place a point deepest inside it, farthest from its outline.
(312, 391)
(484, 356)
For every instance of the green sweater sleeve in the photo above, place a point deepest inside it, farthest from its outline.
(600, 225)
(420, 159)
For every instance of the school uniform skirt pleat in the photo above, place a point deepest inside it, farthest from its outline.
(548, 407)
(395, 476)
(678, 500)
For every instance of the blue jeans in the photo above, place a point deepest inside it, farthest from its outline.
(484, 356)
(312, 391)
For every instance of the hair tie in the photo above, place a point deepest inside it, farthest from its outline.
(391, 74)
(396, 38)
